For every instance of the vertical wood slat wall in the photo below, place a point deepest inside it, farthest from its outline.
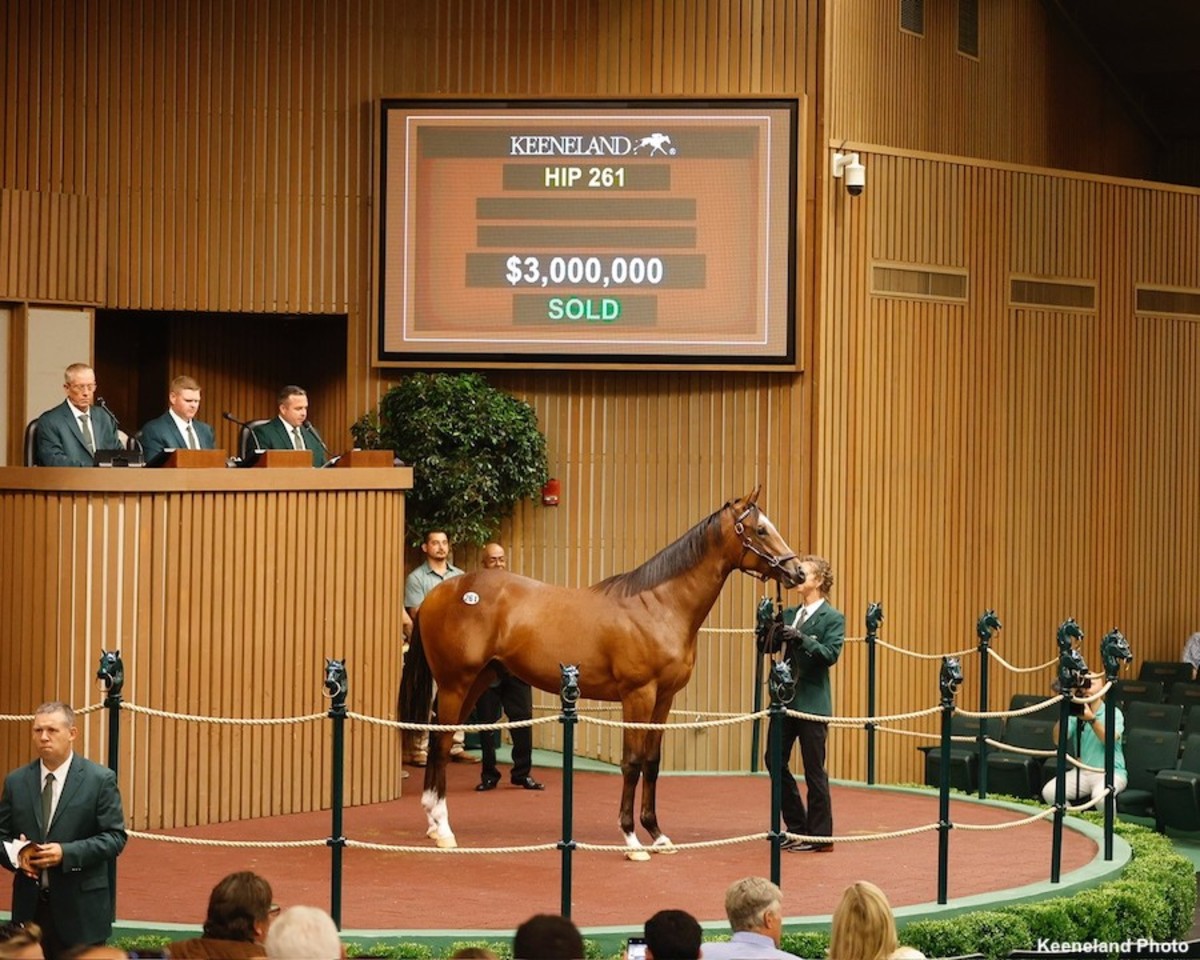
(984, 455)
(226, 151)
(222, 605)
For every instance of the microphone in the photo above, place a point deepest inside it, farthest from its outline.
(313, 430)
(104, 406)
(242, 423)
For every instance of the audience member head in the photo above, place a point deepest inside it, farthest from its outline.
(304, 933)
(863, 925)
(54, 733)
(239, 908)
(293, 405)
(184, 397)
(473, 953)
(95, 952)
(547, 936)
(20, 941)
(755, 904)
(436, 546)
(79, 384)
(673, 935)
(494, 557)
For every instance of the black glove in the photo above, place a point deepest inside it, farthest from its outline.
(787, 634)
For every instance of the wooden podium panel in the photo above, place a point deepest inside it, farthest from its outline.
(224, 590)
(367, 458)
(184, 458)
(284, 458)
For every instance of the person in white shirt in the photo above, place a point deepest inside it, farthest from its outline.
(754, 906)
(1191, 652)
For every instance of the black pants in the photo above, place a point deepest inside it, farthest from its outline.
(817, 821)
(515, 697)
(52, 945)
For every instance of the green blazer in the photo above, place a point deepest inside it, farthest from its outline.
(272, 436)
(823, 635)
(90, 826)
(60, 439)
(162, 433)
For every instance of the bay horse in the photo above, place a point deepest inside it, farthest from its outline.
(632, 637)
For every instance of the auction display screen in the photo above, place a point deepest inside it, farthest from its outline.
(655, 232)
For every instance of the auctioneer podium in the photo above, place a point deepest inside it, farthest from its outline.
(224, 591)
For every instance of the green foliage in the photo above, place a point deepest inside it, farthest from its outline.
(811, 943)
(475, 452)
(991, 932)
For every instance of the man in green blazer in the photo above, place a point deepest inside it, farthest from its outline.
(69, 810)
(812, 634)
(291, 430)
(69, 434)
(178, 427)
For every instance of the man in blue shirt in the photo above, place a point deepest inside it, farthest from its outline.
(754, 906)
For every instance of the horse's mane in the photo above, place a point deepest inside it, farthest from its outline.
(667, 564)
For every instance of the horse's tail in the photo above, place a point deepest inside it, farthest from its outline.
(415, 698)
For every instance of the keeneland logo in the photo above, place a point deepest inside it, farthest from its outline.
(577, 145)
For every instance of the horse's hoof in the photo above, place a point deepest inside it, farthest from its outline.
(446, 843)
(664, 848)
(637, 856)
(431, 833)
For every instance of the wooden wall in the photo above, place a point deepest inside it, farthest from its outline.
(216, 158)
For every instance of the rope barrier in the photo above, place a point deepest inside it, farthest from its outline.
(250, 844)
(26, 717)
(229, 721)
(926, 656)
(1009, 666)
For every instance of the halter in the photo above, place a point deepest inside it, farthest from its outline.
(748, 546)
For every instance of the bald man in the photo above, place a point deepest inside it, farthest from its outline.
(515, 696)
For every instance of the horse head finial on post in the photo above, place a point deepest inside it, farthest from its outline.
(781, 683)
(111, 673)
(987, 625)
(1114, 650)
(874, 617)
(569, 688)
(1072, 668)
(949, 680)
(336, 683)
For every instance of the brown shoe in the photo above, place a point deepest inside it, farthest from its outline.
(417, 760)
(463, 757)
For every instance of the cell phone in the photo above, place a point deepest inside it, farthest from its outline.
(635, 948)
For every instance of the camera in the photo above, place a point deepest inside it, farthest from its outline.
(635, 948)
(848, 167)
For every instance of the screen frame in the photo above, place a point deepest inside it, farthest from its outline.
(787, 360)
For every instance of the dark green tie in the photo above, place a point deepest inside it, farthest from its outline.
(47, 803)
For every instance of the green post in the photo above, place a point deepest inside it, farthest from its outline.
(112, 674)
(874, 619)
(783, 689)
(985, 626)
(766, 618)
(336, 685)
(948, 681)
(1114, 649)
(569, 692)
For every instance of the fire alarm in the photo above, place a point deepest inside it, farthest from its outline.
(550, 493)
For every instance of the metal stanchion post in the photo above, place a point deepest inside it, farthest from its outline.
(112, 674)
(336, 685)
(1072, 677)
(1114, 650)
(767, 617)
(948, 681)
(783, 689)
(874, 619)
(985, 626)
(569, 692)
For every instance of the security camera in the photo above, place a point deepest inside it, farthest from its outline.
(846, 166)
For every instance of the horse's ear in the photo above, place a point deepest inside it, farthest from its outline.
(752, 497)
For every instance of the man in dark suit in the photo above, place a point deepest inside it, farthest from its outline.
(813, 634)
(515, 697)
(69, 434)
(291, 429)
(69, 810)
(178, 427)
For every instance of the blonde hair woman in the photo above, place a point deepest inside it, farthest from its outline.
(864, 928)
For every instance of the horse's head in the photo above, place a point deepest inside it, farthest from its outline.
(764, 552)
(111, 672)
(335, 681)
(987, 624)
(781, 682)
(949, 679)
(1069, 632)
(874, 616)
(1073, 674)
(1114, 650)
